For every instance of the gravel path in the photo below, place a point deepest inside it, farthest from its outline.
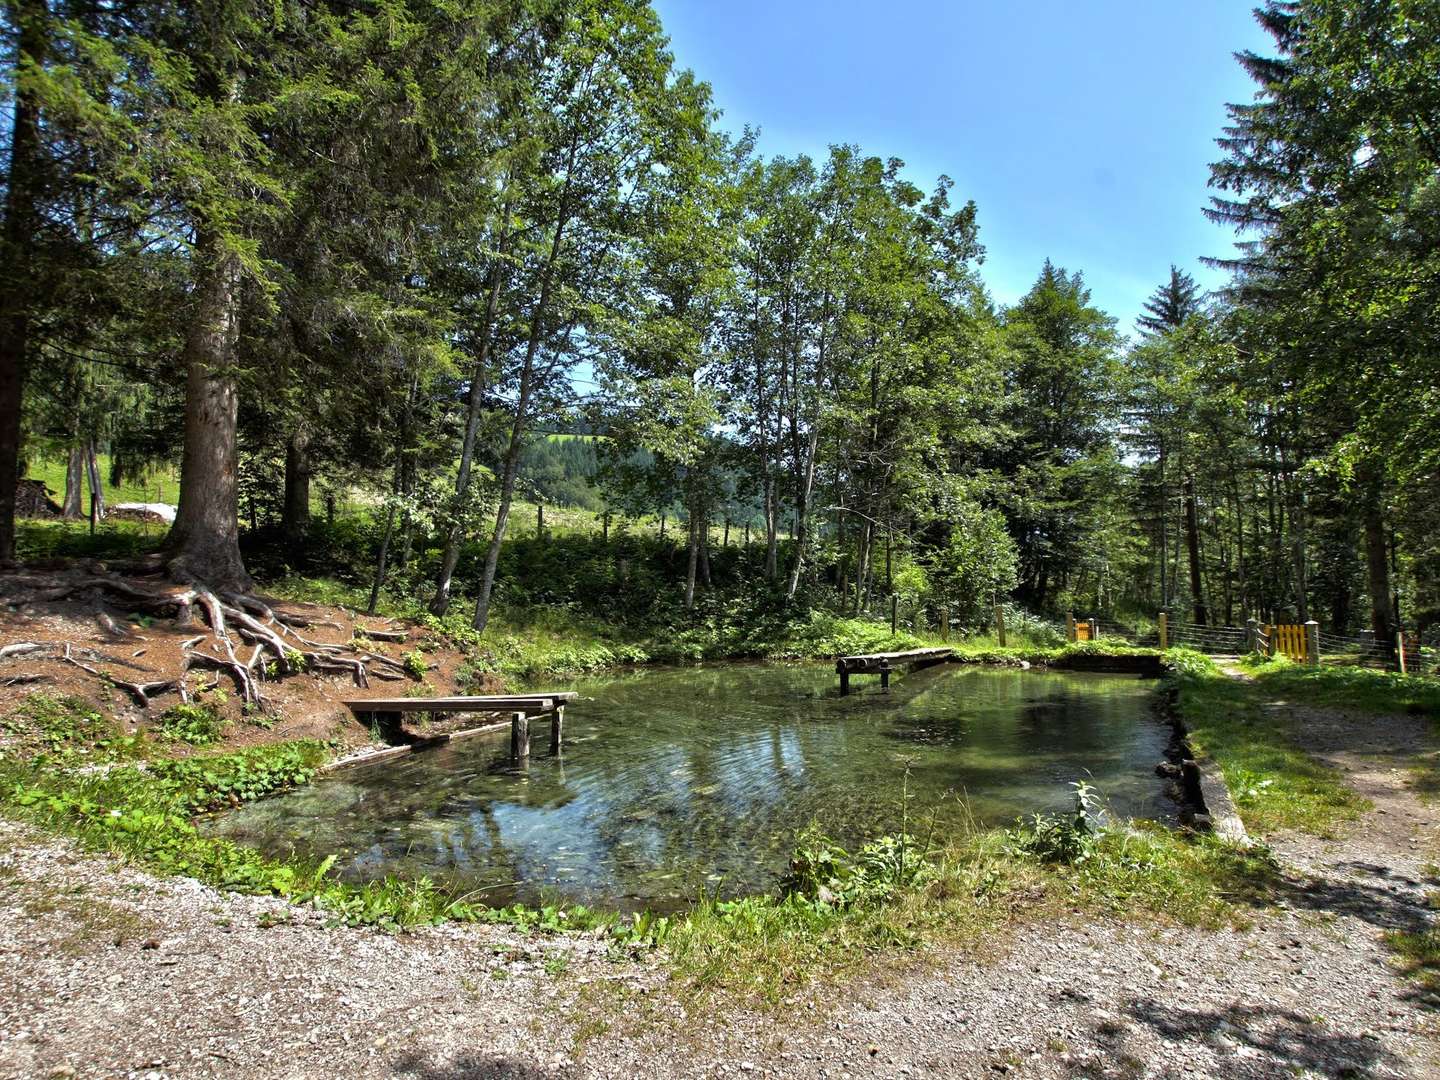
(108, 972)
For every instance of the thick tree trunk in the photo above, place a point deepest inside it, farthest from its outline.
(71, 508)
(295, 522)
(204, 543)
(1192, 545)
(17, 257)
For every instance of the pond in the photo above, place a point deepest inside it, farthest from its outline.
(676, 780)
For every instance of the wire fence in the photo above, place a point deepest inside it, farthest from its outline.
(1357, 650)
(1214, 640)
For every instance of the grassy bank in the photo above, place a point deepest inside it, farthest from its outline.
(1275, 783)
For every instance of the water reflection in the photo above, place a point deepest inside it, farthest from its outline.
(683, 779)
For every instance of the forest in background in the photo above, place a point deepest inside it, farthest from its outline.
(386, 248)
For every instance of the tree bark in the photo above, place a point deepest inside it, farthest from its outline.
(692, 560)
(97, 486)
(1192, 544)
(18, 255)
(204, 543)
(295, 522)
(74, 483)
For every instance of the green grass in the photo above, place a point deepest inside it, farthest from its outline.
(768, 949)
(1275, 783)
(1348, 687)
(161, 485)
(1417, 953)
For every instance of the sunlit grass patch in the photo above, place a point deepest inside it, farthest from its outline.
(1275, 783)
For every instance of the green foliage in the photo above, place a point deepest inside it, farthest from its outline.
(415, 664)
(1055, 838)
(196, 724)
(69, 730)
(825, 874)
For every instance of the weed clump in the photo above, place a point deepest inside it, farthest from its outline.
(198, 725)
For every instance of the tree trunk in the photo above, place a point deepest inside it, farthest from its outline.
(74, 483)
(295, 522)
(17, 256)
(1192, 544)
(474, 404)
(1377, 561)
(204, 543)
(97, 486)
(692, 561)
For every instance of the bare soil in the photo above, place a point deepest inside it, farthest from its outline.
(108, 971)
(301, 706)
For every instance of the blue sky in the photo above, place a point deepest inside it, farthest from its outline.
(1082, 129)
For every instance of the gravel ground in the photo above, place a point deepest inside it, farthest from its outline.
(108, 972)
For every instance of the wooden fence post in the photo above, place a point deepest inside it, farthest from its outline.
(519, 736)
(1400, 650)
(1094, 629)
(885, 675)
(1312, 643)
(1252, 635)
(1069, 626)
(1164, 631)
(944, 624)
(1000, 625)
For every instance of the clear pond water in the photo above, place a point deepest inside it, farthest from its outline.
(674, 780)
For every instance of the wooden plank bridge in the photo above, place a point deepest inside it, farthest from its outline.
(883, 663)
(521, 708)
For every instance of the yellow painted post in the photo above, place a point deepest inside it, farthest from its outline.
(1069, 626)
(1000, 625)
(1164, 631)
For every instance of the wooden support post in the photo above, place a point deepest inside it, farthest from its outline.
(944, 624)
(894, 612)
(519, 736)
(1069, 626)
(557, 729)
(1164, 631)
(1094, 629)
(1252, 635)
(1000, 625)
(885, 675)
(1400, 650)
(844, 673)
(1312, 643)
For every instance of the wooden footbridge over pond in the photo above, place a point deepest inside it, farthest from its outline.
(383, 712)
(883, 663)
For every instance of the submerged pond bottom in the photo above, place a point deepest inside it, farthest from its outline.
(675, 781)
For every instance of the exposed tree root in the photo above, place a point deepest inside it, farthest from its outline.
(277, 647)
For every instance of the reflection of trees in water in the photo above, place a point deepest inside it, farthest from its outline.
(678, 775)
